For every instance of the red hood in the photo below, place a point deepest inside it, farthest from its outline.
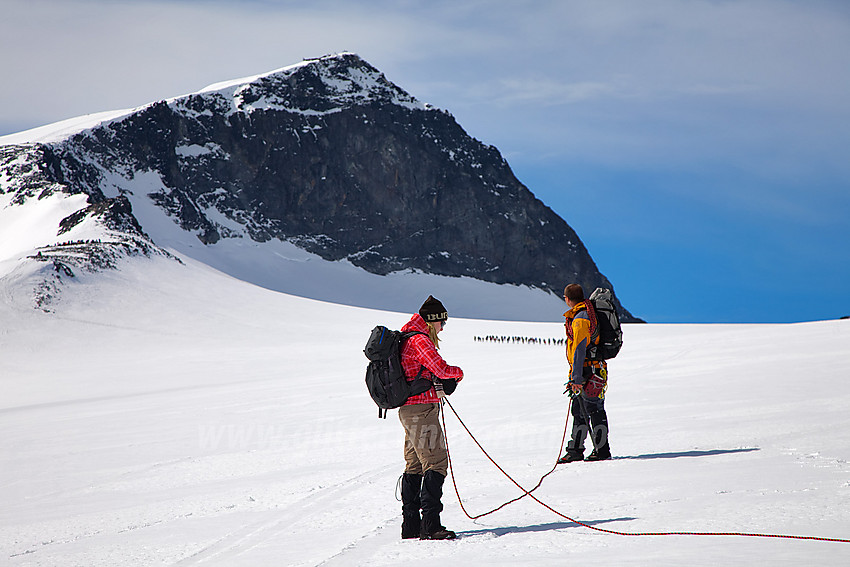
(416, 323)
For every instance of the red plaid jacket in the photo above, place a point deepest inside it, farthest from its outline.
(419, 351)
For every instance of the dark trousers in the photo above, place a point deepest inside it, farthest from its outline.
(589, 411)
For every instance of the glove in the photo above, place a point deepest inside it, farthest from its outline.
(449, 385)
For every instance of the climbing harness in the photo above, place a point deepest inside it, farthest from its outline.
(528, 493)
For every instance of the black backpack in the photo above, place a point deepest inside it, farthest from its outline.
(607, 326)
(384, 376)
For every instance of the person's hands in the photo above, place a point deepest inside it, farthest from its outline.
(572, 389)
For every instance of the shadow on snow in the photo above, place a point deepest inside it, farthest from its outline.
(710, 453)
(498, 532)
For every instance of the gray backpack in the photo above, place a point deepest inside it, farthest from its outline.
(607, 326)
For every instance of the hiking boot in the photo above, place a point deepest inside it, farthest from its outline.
(440, 533)
(571, 456)
(410, 530)
(602, 455)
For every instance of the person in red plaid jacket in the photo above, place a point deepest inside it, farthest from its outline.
(425, 456)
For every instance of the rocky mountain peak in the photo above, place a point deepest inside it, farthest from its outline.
(327, 155)
(315, 86)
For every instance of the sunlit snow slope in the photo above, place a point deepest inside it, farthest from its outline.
(167, 414)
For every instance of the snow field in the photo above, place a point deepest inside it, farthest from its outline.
(168, 414)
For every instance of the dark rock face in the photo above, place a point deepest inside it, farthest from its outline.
(336, 159)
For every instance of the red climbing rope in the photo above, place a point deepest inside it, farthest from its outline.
(577, 522)
(525, 492)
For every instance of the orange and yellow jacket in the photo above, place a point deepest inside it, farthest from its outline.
(580, 331)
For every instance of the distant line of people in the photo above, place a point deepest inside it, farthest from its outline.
(520, 340)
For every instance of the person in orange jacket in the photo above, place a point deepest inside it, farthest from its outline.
(588, 380)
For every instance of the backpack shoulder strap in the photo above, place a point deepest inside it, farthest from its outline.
(404, 337)
(593, 347)
(591, 316)
(407, 334)
(594, 322)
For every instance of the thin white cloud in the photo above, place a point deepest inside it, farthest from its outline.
(664, 82)
(548, 92)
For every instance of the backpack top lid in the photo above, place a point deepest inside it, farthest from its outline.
(603, 294)
(381, 343)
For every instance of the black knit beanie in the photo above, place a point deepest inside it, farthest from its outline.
(432, 310)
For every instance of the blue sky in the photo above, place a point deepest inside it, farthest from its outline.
(712, 136)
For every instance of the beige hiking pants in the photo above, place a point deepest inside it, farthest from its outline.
(424, 444)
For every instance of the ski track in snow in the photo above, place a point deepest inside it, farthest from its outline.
(370, 544)
(237, 543)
